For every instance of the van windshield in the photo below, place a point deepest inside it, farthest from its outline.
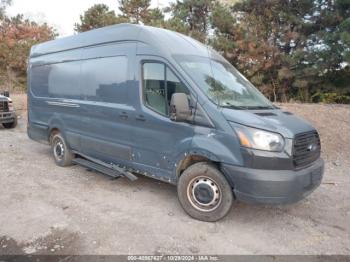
(223, 83)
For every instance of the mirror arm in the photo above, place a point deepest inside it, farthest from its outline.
(172, 111)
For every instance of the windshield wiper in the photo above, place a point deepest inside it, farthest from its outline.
(234, 107)
(228, 105)
(259, 107)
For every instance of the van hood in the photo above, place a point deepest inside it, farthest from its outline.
(274, 120)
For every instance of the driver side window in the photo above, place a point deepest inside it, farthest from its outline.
(159, 84)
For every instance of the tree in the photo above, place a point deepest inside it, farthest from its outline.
(290, 49)
(176, 24)
(3, 5)
(286, 48)
(323, 64)
(194, 14)
(97, 16)
(135, 11)
(155, 18)
(17, 36)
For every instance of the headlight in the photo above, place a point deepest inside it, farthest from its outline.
(259, 139)
(10, 105)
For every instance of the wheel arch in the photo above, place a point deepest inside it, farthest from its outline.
(197, 156)
(55, 125)
(192, 157)
(52, 131)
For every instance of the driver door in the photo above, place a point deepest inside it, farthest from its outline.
(157, 140)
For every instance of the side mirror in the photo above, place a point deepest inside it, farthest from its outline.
(179, 108)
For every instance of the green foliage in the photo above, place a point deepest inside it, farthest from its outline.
(97, 16)
(135, 10)
(176, 24)
(194, 17)
(344, 31)
(330, 98)
(288, 49)
(17, 36)
(155, 17)
(132, 11)
(195, 13)
(296, 49)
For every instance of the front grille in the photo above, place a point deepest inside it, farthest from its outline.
(4, 107)
(306, 148)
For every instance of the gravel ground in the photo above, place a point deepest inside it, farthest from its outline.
(46, 209)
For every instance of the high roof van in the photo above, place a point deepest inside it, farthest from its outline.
(131, 99)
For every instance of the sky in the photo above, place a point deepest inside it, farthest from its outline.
(62, 14)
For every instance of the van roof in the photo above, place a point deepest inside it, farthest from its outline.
(165, 41)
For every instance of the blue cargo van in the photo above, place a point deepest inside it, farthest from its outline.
(131, 99)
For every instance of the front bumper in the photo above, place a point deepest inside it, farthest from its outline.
(274, 186)
(7, 117)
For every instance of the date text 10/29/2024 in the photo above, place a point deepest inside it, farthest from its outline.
(173, 258)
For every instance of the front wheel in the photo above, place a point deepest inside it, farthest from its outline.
(10, 125)
(204, 192)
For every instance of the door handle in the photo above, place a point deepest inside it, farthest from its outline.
(140, 118)
(123, 115)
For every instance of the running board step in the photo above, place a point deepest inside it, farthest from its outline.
(96, 167)
(104, 168)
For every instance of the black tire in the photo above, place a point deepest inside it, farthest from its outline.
(10, 125)
(204, 182)
(61, 153)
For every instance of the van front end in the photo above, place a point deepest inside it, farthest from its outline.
(8, 117)
(278, 177)
(267, 155)
(274, 186)
(277, 168)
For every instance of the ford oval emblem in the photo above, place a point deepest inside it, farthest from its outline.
(312, 147)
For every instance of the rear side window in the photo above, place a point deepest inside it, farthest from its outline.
(104, 79)
(159, 84)
(64, 80)
(59, 80)
(39, 80)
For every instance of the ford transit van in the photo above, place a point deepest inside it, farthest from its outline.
(131, 99)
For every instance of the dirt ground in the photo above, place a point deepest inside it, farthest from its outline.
(46, 209)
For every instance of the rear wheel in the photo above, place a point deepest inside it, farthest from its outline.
(204, 192)
(10, 125)
(61, 153)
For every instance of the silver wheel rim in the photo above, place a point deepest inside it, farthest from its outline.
(58, 149)
(204, 194)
